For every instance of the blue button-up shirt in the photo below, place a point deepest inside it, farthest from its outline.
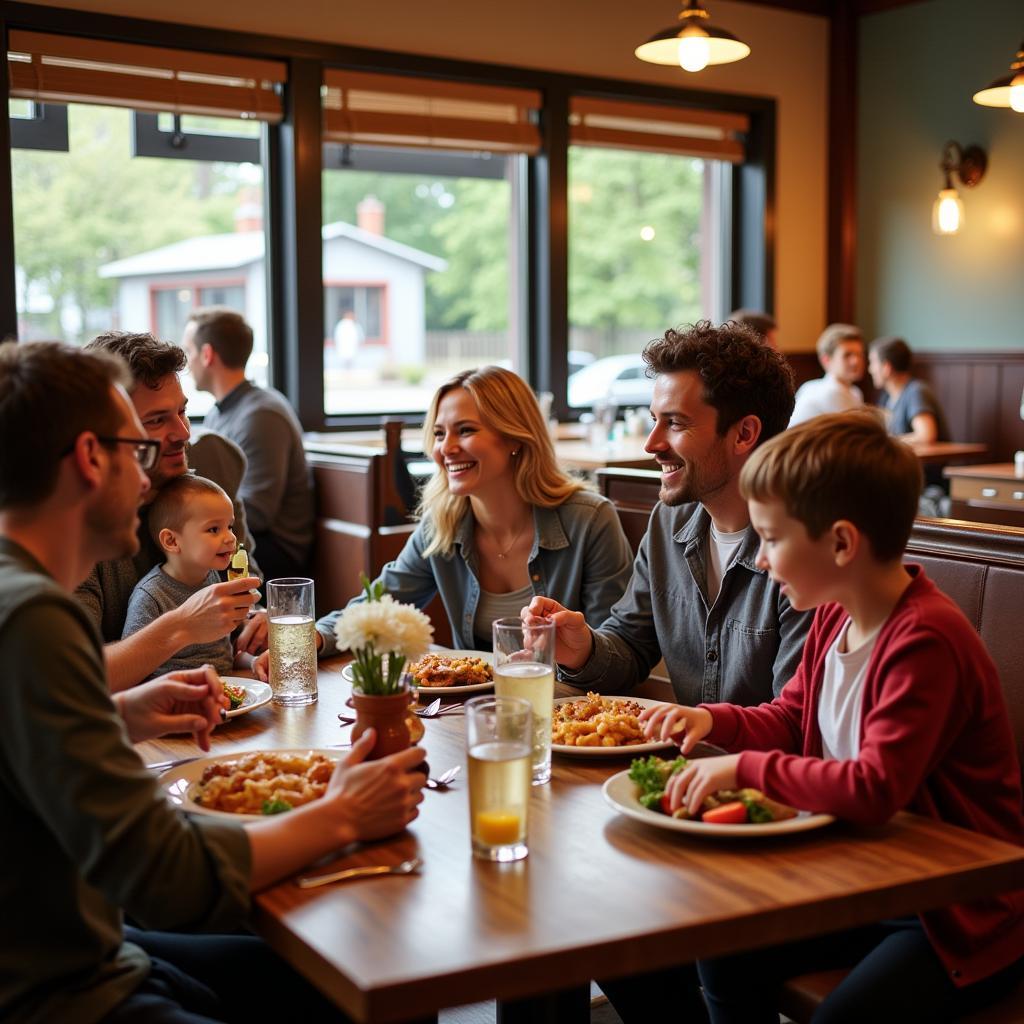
(742, 648)
(580, 558)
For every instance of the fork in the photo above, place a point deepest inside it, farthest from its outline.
(430, 711)
(407, 867)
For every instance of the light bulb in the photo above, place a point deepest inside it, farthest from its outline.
(947, 213)
(694, 52)
(647, 233)
(1017, 97)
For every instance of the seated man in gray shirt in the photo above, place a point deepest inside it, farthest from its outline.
(277, 489)
(191, 519)
(161, 406)
(912, 410)
(87, 833)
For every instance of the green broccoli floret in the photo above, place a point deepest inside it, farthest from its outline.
(276, 806)
(757, 813)
(650, 774)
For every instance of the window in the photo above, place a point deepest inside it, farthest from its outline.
(106, 238)
(646, 237)
(421, 236)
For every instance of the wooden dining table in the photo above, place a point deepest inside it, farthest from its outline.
(600, 895)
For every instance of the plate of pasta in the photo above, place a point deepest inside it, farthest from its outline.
(445, 673)
(250, 785)
(598, 726)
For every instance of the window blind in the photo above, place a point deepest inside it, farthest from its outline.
(66, 69)
(392, 110)
(687, 131)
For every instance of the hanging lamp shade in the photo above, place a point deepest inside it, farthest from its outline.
(1007, 90)
(693, 42)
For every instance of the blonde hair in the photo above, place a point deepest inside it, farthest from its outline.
(509, 408)
(840, 466)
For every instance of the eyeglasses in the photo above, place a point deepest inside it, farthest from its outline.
(145, 450)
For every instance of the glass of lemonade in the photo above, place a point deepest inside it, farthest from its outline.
(499, 743)
(292, 641)
(524, 666)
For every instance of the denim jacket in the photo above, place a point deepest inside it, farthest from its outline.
(580, 557)
(741, 650)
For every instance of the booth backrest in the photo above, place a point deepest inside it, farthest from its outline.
(981, 567)
(362, 522)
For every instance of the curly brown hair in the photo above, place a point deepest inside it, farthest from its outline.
(741, 376)
(148, 359)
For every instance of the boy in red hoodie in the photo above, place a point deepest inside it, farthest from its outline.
(896, 705)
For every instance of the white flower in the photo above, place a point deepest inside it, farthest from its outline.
(387, 626)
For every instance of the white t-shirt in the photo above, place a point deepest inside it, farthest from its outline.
(826, 394)
(722, 548)
(842, 691)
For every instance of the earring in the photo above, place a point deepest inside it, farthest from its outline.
(516, 452)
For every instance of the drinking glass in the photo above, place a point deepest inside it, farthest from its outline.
(499, 739)
(524, 666)
(292, 641)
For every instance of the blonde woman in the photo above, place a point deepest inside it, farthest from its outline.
(499, 521)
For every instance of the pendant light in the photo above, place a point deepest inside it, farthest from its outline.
(693, 43)
(1008, 90)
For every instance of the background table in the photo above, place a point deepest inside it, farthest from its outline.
(599, 895)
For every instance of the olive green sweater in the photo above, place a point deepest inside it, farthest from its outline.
(86, 832)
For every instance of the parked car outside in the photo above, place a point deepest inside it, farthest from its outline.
(621, 380)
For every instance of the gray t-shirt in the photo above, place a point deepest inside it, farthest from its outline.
(277, 488)
(157, 593)
(917, 397)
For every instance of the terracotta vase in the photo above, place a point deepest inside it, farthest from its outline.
(388, 715)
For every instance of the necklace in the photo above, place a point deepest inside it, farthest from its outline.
(504, 554)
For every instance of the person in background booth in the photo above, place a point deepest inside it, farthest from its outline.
(912, 411)
(760, 323)
(500, 522)
(841, 354)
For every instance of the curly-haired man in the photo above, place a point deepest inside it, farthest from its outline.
(696, 597)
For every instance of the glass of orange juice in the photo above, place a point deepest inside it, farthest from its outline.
(499, 743)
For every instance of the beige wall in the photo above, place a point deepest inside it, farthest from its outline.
(789, 62)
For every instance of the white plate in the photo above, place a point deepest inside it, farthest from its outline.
(620, 793)
(180, 783)
(631, 748)
(443, 691)
(257, 694)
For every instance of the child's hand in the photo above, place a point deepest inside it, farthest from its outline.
(685, 726)
(254, 635)
(261, 667)
(699, 779)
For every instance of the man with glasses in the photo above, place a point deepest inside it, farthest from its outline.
(212, 612)
(87, 834)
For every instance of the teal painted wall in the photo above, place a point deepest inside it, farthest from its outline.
(919, 65)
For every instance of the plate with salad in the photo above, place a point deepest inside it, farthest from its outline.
(245, 694)
(740, 813)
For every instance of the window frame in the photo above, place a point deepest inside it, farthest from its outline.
(291, 156)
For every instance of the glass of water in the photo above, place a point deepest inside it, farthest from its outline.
(292, 640)
(499, 742)
(524, 666)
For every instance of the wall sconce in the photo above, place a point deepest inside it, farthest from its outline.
(692, 44)
(1007, 90)
(969, 166)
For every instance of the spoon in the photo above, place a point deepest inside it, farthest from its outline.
(407, 867)
(445, 780)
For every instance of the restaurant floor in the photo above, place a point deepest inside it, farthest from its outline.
(601, 1012)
